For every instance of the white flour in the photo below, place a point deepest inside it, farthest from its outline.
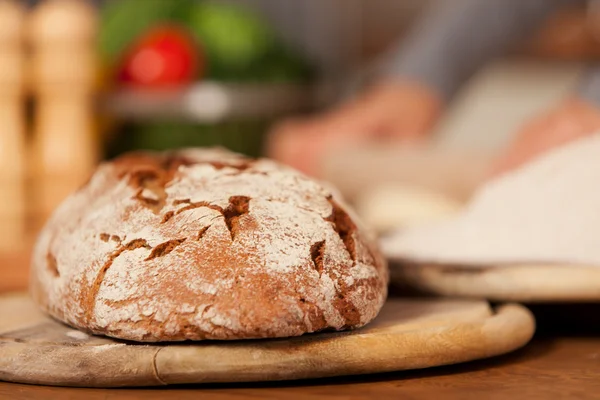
(547, 211)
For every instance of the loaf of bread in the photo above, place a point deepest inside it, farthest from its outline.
(206, 244)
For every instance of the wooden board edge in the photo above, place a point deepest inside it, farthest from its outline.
(511, 327)
(529, 283)
(508, 328)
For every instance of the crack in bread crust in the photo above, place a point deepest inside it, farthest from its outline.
(89, 298)
(242, 166)
(343, 225)
(238, 206)
(202, 232)
(164, 248)
(153, 174)
(317, 250)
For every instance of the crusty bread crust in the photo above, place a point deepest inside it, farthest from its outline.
(205, 244)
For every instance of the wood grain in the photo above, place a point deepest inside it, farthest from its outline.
(408, 334)
(564, 367)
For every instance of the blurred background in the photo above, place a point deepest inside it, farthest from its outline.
(85, 81)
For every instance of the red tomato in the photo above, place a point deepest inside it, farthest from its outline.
(164, 56)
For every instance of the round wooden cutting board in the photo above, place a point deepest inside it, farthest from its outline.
(530, 283)
(408, 334)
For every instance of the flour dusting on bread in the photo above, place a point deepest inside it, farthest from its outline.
(206, 244)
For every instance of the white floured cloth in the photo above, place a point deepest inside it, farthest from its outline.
(545, 212)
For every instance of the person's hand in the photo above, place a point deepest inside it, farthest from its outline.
(571, 120)
(389, 111)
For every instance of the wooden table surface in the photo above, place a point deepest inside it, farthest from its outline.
(563, 361)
